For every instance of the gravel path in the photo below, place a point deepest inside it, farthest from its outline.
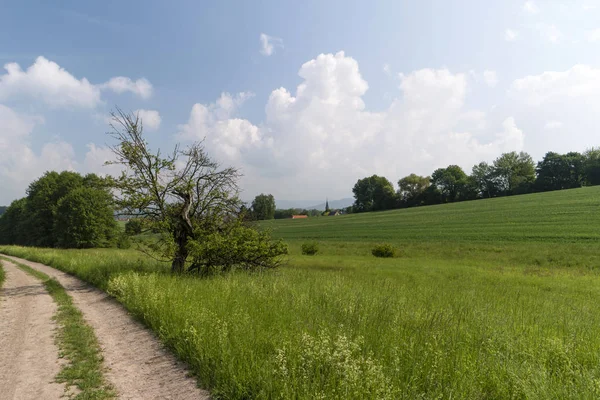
(28, 356)
(138, 365)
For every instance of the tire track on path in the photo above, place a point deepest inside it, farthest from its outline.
(138, 365)
(29, 359)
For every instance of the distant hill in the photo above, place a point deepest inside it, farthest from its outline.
(334, 204)
(3, 209)
(312, 204)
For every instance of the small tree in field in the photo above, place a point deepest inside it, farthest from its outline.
(188, 199)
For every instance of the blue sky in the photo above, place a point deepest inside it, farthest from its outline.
(304, 97)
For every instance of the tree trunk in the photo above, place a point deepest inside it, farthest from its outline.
(181, 251)
(182, 233)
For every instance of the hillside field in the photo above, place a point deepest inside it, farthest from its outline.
(488, 299)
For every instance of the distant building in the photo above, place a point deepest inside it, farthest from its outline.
(299, 216)
(333, 213)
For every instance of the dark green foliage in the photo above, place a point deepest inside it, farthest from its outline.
(263, 207)
(12, 223)
(133, 227)
(61, 210)
(234, 247)
(384, 250)
(515, 172)
(558, 171)
(412, 188)
(310, 248)
(484, 178)
(84, 219)
(450, 181)
(592, 166)
(123, 241)
(374, 193)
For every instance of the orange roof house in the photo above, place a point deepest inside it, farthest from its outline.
(299, 216)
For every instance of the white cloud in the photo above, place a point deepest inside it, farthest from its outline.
(47, 81)
(530, 7)
(120, 84)
(150, 119)
(320, 139)
(594, 35)
(550, 32)
(269, 44)
(551, 125)
(51, 84)
(490, 78)
(510, 35)
(19, 164)
(558, 86)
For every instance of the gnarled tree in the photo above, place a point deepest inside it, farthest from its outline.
(181, 195)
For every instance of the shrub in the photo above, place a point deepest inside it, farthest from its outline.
(384, 250)
(133, 227)
(235, 247)
(310, 248)
(123, 241)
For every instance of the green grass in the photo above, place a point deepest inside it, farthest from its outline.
(489, 299)
(2, 275)
(77, 344)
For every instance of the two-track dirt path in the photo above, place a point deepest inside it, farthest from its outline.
(28, 355)
(138, 365)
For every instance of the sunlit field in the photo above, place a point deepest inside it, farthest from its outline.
(485, 299)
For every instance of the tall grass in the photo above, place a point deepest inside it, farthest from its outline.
(450, 317)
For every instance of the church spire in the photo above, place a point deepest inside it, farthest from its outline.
(326, 204)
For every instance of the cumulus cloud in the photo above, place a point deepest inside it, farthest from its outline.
(557, 86)
(319, 139)
(48, 82)
(19, 163)
(120, 84)
(268, 44)
(490, 78)
(150, 119)
(51, 84)
(510, 35)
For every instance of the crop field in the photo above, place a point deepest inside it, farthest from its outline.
(489, 299)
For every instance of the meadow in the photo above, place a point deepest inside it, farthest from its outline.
(489, 299)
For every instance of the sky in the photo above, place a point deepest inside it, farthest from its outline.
(305, 98)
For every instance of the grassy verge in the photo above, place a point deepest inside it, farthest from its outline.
(77, 344)
(2, 275)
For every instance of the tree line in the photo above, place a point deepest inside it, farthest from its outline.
(511, 173)
(263, 207)
(63, 209)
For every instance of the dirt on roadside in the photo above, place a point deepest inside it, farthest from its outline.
(29, 359)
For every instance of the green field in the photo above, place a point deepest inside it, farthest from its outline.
(489, 299)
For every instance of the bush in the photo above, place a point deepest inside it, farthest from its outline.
(133, 227)
(235, 247)
(310, 248)
(384, 250)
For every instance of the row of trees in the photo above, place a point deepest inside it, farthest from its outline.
(263, 208)
(511, 173)
(62, 210)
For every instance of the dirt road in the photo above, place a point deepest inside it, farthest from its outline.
(28, 356)
(138, 365)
